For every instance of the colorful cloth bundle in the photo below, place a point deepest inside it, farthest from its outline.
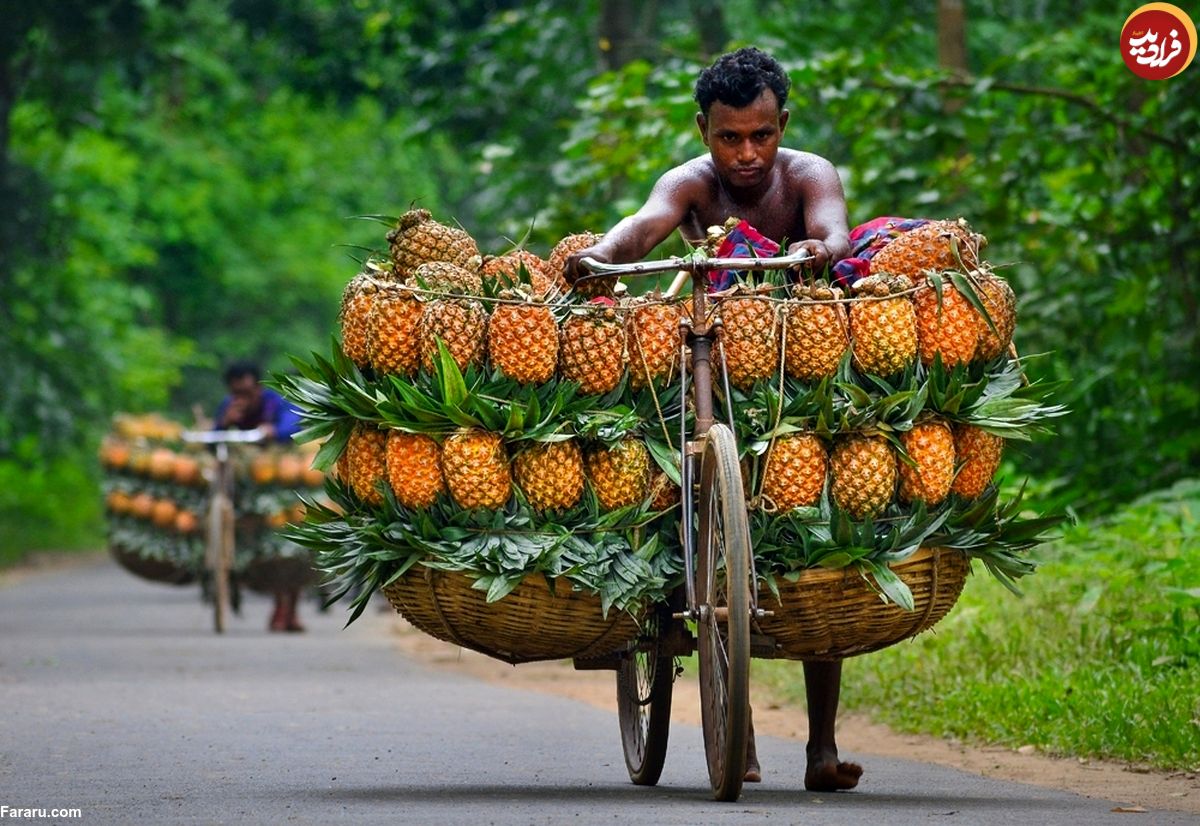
(743, 241)
(866, 240)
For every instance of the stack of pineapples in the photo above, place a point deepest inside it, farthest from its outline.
(485, 418)
(154, 492)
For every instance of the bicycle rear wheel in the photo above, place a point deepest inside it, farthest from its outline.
(723, 587)
(645, 680)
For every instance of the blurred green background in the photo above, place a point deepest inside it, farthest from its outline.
(178, 180)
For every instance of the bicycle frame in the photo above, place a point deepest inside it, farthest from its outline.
(699, 334)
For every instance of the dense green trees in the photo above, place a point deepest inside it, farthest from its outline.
(176, 177)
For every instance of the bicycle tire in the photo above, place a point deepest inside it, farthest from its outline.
(645, 681)
(723, 586)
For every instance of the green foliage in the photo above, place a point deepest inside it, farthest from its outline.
(55, 506)
(1099, 659)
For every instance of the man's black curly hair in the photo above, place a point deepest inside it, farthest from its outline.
(738, 78)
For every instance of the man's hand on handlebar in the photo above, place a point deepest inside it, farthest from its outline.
(574, 270)
(816, 249)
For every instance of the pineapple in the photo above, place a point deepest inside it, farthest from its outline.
(592, 349)
(750, 338)
(794, 475)
(931, 445)
(461, 324)
(394, 332)
(620, 475)
(652, 339)
(863, 468)
(978, 456)
(1001, 304)
(567, 247)
(363, 462)
(417, 239)
(357, 300)
(663, 492)
(444, 277)
(414, 469)
(946, 324)
(550, 474)
(931, 247)
(523, 341)
(883, 329)
(475, 464)
(817, 333)
(505, 271)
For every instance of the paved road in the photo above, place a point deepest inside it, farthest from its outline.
(115, 697)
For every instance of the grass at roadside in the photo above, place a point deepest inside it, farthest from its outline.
(1100, 658)
(55, 508)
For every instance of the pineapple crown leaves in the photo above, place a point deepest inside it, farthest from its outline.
(991, 396)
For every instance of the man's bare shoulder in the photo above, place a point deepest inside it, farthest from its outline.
(801, 165)
(699, 172)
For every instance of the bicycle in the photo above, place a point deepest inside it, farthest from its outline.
(219, 523)
(720, 589)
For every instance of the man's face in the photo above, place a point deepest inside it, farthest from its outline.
(744, 142)
(245, 390)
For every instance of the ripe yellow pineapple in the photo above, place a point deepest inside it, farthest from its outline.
(461, 323)
(883, 329)
(620, 475)
(652, 340)
(817, 333)
(931, 247)
(1001, 304)
(931, 445)
(523, 341)
(978, 455)
(417, 238)
(444, 277)
(949, 326)
(475, 464)
(394, 331)
(863, 468)
(592, 349)
(363, 464)
(505, 271)
(750, 338)
(564, 249)
(354, 317)
(550, 474)
(663, 492)
(414, 469)
(794, 471)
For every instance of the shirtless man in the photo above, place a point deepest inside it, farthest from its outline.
(784, 194)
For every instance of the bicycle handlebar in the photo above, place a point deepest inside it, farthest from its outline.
(213, 437)
(694, 265)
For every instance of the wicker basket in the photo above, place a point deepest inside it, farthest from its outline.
(831, 615)
(532, 623)
(155, 570)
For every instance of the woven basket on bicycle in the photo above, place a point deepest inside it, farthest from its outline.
(831, 615)
(155, 570)
(532, 623)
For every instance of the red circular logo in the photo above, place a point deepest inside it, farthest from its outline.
(1158, 41)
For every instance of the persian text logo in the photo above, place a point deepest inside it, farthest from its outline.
(1158, 41)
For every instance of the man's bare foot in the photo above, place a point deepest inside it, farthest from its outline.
(828, 775)
(753, 773)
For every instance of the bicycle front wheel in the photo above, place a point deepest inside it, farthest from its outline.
(724, 577)
(645, 679)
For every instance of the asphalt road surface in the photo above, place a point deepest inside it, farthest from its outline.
(117, 698)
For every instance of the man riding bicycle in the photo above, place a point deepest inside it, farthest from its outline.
(784, 194)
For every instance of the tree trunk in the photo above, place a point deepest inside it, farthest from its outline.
(710, 25)
(952, 46)
(627, 31)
